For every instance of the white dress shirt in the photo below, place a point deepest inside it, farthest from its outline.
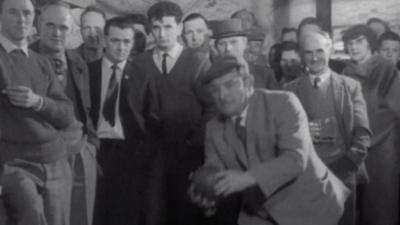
(105, 130)
(171, 59)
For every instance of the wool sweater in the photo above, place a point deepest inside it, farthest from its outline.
(26, 133)
(183, 103)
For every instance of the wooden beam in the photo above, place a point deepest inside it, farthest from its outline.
(324, 13)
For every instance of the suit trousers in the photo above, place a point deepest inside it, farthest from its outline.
(168, 202)
(84, 166)
(121, 189)
(36, 193)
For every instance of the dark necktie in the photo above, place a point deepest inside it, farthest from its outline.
(164, 64)
(317, 82)
(60, 68)
(240, 130)
(110, 102)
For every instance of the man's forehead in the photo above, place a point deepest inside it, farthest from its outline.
(57, 14)
(18, 4)
(289, 54)
(196, 22)
(390, 42)
(120, 32)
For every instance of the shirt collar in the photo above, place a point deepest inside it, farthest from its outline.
(242, 115)
(107, 63)
(9, 46)
(323, 76)
(173, 53)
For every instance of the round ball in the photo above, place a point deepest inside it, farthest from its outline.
(204, 181)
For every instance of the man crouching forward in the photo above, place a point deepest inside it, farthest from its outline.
(261, 147)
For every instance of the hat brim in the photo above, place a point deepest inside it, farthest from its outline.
(231, 34)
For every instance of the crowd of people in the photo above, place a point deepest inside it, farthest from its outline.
(111, 133)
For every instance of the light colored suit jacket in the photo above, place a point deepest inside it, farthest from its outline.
(297, 187)
(351, 114)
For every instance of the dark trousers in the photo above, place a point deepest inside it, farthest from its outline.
(84, 170)
(167, 200)
(380, 197)
(121, 187)
(36, 193)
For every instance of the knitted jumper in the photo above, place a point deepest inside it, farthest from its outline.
(25, 133)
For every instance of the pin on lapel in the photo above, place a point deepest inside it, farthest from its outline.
(126, 77)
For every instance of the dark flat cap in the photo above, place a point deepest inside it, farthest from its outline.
(220, 68)
(227, 28)
(255, 34)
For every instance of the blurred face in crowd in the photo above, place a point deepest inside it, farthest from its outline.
(290, 64)
(17, 19)
(119, 43)
(92, 26)
(390, 49)
(195, 32)
(247, 19)
(377, 27)
(166, 32)
(231, 46)
(359, 49)
(230, 93)
(315, 51)
(55, 25)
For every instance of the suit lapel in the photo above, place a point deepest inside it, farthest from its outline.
(95, 86)
(252, 123)
(234, 143)
(76, 74)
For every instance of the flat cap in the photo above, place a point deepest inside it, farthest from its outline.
(227, 28)
(220, 68)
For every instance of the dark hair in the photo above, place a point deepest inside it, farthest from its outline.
(2, 2)
(140, 40)
(164, 8)
(359, 30)
(388, 36)
(137, 18)
(286, 30)
(94, 9)
(377, 20)
(289, 46)
(119, 22)
(194, 16)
